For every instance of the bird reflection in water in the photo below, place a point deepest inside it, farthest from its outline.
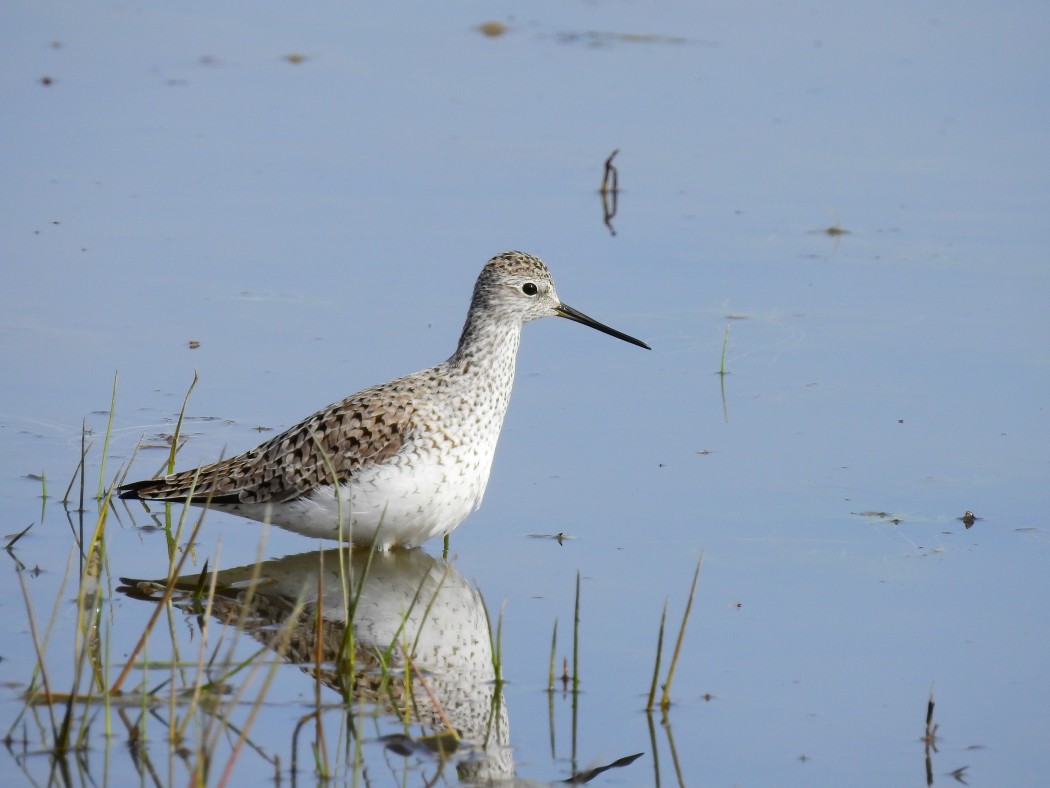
(403, 601)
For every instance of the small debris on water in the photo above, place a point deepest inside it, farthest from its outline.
(492, 28)
(881, 515)
(559, 537)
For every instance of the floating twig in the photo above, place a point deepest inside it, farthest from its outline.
(929, 739)
(610, 191)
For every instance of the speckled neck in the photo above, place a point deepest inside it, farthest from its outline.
(486, 355)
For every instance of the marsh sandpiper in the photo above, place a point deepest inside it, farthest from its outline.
(398, 463)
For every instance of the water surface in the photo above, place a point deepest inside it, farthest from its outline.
(315, 223)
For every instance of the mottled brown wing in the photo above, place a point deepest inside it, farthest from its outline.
(366, 428)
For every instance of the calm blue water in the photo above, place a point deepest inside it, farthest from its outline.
(317, 228)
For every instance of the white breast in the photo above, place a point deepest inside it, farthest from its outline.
(420, 493)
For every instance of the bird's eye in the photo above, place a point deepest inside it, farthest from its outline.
(529, 289)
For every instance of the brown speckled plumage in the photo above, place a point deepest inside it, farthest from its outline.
(399, 462)
(338, 439)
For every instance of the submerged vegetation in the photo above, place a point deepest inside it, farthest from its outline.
(364, 659)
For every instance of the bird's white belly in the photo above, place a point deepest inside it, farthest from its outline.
(400, 503)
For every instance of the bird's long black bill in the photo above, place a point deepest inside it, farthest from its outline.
(579, 317)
